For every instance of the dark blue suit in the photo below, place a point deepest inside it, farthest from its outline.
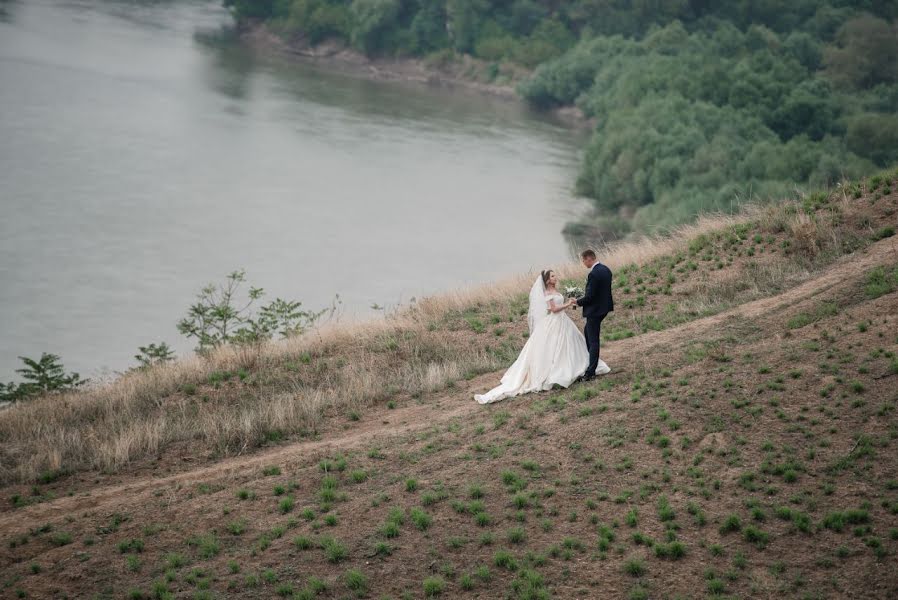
(597, 303)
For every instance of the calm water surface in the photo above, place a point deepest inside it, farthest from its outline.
(142, 155)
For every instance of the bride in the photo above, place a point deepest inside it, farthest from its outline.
(555, 352)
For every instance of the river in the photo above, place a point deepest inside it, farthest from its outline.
(143, 154)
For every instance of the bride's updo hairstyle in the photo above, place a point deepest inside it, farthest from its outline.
(546, 274)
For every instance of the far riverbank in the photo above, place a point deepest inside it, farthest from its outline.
(463, 73)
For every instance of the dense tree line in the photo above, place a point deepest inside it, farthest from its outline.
(697, 120)
(699, 104)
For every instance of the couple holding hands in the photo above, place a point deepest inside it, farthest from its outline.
(556, 353)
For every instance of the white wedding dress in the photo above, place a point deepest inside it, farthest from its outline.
(555, 352)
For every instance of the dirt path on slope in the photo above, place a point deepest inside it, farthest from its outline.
(382, 425)
(843, 273)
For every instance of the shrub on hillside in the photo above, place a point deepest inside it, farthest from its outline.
(218, 317)
(41, 376)
(154, 354)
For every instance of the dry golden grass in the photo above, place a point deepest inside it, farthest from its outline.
(144, 412)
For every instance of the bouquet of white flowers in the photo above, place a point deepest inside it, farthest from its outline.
(573, 292)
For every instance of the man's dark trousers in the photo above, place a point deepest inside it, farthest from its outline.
(597, 302)
(592, 331)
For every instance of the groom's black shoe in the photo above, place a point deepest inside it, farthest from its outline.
(586, 378)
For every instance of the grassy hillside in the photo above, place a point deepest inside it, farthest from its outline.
(743, 445)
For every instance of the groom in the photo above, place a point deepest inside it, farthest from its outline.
(596, 303)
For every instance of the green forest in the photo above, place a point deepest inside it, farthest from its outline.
(699, 105)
